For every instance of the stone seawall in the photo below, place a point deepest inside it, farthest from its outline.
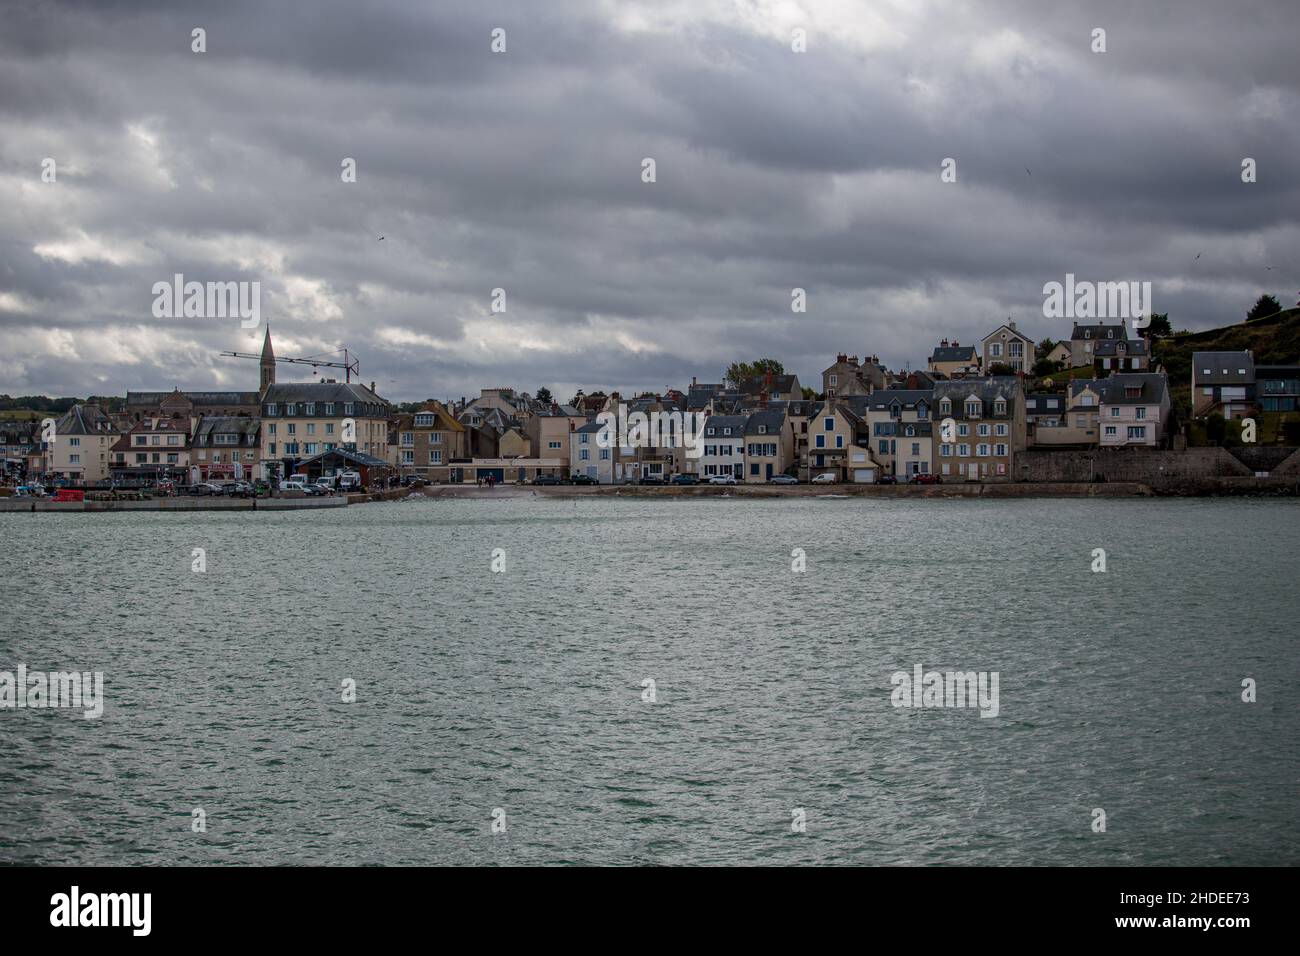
(1128, 464)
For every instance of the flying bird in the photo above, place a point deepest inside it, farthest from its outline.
(1198, 255)
(380, 239)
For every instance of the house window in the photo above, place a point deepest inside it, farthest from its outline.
(726, 431)
(347, 408)
(1111, 431)
(762, 429)
(329, 408)
(999, 408)
(995, 349)
(408, 438)
(963, 429)
(1000, 450)
(1137, 431)
(74, 459)
(982, 451)
(963, 451)
(945, 451)
(983, 431)
(408, 458)
(553, 444)
(423, 420)
(435, 457)
(271, 409)
(1114, 412)
(309, 408)
(1141, 411)
(604, 454)
(584, 454)
(839, 441)
(835, 380)
(820, 441)
(828, 424)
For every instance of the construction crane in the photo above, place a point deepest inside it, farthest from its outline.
(349, 365)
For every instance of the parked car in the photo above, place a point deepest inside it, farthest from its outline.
(583, 480)
(237, 489)
(685, 480)
(206, 488)
(825, 478)
(652, 480)
(29, 491)
(298, 486)
(547, 480)
(887, 480)
(783, 480)
(722, 480)
(927, 479)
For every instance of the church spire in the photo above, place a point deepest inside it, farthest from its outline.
(268, 362)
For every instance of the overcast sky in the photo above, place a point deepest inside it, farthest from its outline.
(522, 170)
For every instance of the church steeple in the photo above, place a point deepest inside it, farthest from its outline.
(268, 362)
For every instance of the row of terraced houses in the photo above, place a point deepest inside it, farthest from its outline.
(967, 416)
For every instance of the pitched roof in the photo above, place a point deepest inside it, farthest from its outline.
(1106, 347)
(347, 454)
(83, 420)
(337, 392)
(757, 383)
(1151, 388)
(771, 419)
(1223, 368)
(953, 353)
(1099, 330)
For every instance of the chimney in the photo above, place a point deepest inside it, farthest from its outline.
(1013, 326)
(762, 397)
(372, 386)
(555, 409)
(841, 358)
(943, 344)
(694, 380)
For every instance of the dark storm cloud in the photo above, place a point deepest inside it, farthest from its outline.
(522, 171)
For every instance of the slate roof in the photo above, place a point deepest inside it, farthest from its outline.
(953, 353)
(319, 392)
(197, 398)
(83, 420)
(988, 390)
(1039, 404)
(246, 428)
(1223, 368)
(1100, 330)
(780, 383)
(1125, 347)
(1154, 386)
(772, 419)
(718, 422)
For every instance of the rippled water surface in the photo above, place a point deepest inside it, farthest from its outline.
(523, 690)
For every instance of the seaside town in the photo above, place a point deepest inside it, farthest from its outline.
(1001, 409)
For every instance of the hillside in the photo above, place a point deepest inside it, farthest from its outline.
(1273, 341)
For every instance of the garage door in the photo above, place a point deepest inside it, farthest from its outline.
(864, 476)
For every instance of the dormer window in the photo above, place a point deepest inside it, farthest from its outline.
(762, 429)
(1087, 333)
(972, 409)
(999, 407)
(271, 410)
(945, 407)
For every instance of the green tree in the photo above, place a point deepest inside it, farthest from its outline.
(1044, 347)
(1264, 305)
(1159, 327)
(738, 372)
(544, 395)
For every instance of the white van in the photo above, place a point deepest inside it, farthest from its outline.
(292, 485)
